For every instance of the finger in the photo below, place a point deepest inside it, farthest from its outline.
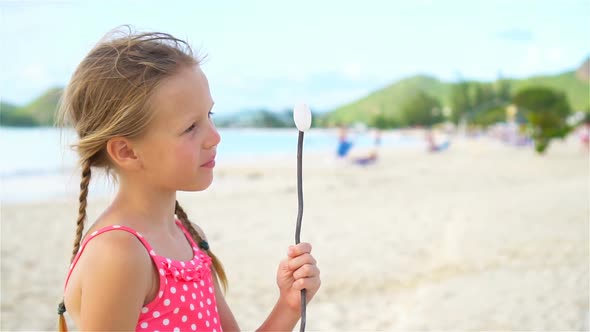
(306, 271)
(299, 261)
(299, 249)
(307, 283)
(284, 265)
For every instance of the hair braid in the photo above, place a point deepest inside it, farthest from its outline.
(86, 174)
(218, 267)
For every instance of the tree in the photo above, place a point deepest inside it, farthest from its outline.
(421, 110)
(382, 120)
(503, 89)
(15, 118)
(460, 101)
(489, 116)
(484, 94)
(546, 112)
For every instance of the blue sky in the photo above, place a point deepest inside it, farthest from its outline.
(326, 53)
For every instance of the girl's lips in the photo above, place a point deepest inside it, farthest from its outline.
(209, 164)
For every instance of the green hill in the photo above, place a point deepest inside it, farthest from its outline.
(10, 116)
(39, 112)
(390, 99)
(256, 118)
(43, 109)
(7, 107)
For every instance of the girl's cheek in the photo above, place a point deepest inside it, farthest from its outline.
(188, 150)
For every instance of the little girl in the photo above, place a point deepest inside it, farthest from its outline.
(142, 109)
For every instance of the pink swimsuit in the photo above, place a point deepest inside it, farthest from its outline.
(186, 298)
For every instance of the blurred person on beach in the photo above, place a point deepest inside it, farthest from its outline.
(344, 143)
(432, 145)
(372, 156)
(584, 132)
(141, 106)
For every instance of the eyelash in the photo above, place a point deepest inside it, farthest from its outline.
(191, 127)
(195, 124)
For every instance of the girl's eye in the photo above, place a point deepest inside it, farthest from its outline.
(195, 124)
(191, 127)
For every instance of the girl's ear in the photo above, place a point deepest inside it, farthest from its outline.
(122, 154)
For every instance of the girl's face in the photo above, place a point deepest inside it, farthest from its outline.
(178, 149)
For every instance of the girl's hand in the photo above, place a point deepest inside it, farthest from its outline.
(296, 272)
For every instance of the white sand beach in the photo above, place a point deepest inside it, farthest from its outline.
(480, 237)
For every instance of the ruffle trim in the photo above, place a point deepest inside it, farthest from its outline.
(198, 268)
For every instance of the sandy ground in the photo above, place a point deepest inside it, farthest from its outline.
(480, 237)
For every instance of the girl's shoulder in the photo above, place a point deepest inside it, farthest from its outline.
(110, 264)
(114, 250)
(109, 243)
(114, 239)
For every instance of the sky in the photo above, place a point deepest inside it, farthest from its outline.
(274, 54)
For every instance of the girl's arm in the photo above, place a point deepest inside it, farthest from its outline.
(281, 318)
(116, 278)
(296, 272)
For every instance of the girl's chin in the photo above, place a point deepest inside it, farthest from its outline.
(200, 186)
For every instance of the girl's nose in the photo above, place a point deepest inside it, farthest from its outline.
(214, 138)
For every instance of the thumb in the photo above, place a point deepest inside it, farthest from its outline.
(284, 275)
(284, 266)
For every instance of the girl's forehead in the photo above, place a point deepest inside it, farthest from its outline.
(183, 94)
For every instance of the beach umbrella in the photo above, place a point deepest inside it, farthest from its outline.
(302, 118)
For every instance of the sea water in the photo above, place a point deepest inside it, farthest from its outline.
(38, 163)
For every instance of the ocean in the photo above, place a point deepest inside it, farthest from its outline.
(37, 163)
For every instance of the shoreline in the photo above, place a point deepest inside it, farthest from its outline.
(61, 182)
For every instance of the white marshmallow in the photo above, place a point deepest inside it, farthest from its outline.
(302, 117)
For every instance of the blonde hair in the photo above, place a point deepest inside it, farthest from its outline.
(109, 96)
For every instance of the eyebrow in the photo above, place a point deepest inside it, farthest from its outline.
(193, 118)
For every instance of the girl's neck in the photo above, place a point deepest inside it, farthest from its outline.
(144, 207)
